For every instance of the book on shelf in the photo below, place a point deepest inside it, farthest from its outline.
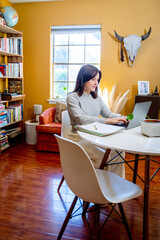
(3, 118)
(3, 123)
(2, 70)
(11, 70)
(99, 129)
(19, 107)
(14, 112)
(4, 140)
(2, 107)
(14, 132)
(2, 112)
(11, 45)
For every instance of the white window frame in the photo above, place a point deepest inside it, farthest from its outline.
(69, 29)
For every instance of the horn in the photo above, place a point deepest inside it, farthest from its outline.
(145, 36)
(118, 37)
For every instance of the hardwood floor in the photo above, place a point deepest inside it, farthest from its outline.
(31, 209)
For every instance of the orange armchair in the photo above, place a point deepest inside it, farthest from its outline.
(46, 130)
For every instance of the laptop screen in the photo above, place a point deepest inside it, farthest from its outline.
(140, 112)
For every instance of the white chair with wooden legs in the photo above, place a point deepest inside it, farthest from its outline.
(66, 128)
(92, 185)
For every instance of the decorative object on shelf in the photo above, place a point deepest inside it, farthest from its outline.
(114, 104)
(143, 87)
(37, 111)
(10, 16)
(151, 127)
(15, 86)
(2, 21)
(155, 93)
(131, 44)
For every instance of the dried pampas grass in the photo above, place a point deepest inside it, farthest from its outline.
(115, 105)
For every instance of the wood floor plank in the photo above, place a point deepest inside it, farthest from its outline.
(31, 208)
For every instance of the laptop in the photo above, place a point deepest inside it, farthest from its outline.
(140, 112)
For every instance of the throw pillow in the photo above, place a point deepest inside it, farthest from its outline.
(60, 107)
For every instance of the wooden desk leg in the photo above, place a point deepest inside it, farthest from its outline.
(106, 155)
(146, 199)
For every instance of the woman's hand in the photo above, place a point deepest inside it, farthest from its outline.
(116, 120)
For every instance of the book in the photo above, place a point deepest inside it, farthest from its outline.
(99, 129)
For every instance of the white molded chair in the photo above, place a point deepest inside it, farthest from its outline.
(66, 128)
(92, 185)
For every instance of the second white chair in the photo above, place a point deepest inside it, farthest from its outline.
(92, 185)
(66, 128)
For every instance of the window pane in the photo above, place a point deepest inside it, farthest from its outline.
(71, 87)
(76, 39)
(73, 71)
(60, 54)
(92, 54)
(61, 39)
(60, 73)
(76, 54)
(93, 38)
(59, 92)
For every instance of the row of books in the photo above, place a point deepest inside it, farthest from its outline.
(3, 117)
(11, 70)
(14, 132)
(4, 140)
(11, 114)
(11, 45)
(8, 137)
(14, 112)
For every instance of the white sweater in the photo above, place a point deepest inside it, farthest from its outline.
(86, 109)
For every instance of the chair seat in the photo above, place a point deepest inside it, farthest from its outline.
(54, 128)
(118, 189)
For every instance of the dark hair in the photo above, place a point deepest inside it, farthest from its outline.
(86, 73)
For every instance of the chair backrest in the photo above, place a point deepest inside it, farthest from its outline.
(79, 171)
(47, 116)
(66, 127)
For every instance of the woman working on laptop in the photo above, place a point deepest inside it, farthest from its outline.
(84, 107)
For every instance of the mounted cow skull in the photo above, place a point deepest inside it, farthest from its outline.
(132, 43)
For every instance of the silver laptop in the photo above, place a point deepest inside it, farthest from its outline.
(140, 112)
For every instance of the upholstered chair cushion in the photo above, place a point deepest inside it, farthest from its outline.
(60, 107)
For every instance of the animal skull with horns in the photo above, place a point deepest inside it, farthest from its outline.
(132, 43)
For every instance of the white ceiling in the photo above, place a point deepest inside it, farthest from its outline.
(25, 1)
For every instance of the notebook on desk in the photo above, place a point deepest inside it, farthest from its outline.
(140, 112)
(99, 129)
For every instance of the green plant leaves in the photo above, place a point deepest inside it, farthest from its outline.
(130, 116)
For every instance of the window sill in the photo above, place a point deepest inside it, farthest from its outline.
(55, 100)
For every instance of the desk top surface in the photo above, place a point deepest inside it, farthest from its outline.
(132, 141)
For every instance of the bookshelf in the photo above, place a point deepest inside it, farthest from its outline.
(11, 87)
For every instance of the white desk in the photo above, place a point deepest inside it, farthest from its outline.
(134, 142)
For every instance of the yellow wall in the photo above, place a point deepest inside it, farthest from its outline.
(4, 3)
(126, 16)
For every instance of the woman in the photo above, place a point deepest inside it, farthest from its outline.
(84, 107)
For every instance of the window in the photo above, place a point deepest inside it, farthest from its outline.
(72, 47)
